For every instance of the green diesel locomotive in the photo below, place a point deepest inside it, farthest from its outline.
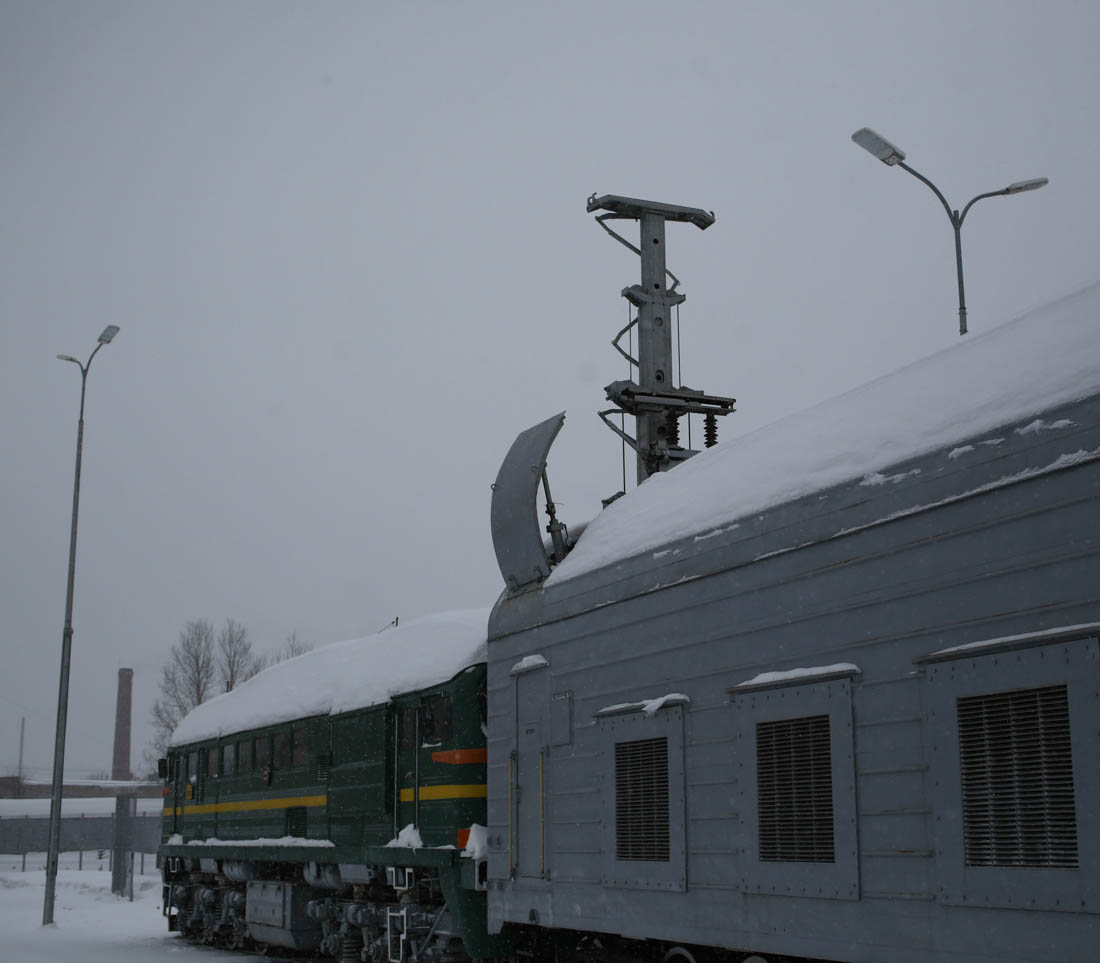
(335, 803)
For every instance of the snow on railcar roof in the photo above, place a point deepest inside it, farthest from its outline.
(1046, 357)
(345, 675)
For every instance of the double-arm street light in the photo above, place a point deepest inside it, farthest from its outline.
(893, 156)
(66, 646)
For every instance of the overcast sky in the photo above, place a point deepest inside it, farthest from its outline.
(347, 247)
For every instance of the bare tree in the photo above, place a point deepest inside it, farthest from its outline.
(202, 664)
(292, 647)
(186, 680)
(236, 659)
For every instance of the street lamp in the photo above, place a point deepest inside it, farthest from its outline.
(893, 156)
(66, 646)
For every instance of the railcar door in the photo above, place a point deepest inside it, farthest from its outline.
(532, 711)
(407, 767)
(178, 774)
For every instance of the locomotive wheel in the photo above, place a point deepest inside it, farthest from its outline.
(678, 953)
(237, 936)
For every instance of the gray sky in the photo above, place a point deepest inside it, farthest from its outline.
(347, 247)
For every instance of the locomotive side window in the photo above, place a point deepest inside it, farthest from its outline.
(212, 761)
(282, 750)
(229, 759)
(300, 747)
(244, 755)
(193, 766)
(263, 751)
(435, 719)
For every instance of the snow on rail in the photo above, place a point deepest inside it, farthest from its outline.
(345, 675)
(1047, 357)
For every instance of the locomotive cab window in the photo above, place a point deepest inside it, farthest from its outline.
(409, 727)
(435, 720)
(483, 702)
(244, 755)
(426, 724)
(229, 759)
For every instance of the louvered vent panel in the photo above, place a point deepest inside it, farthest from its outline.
(324, 766)
(794, 781)
(641, 799)
(1017, 779)
(296, 821)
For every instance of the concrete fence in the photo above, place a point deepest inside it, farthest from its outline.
(30, 834)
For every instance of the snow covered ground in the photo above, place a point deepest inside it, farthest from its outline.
(91, 925)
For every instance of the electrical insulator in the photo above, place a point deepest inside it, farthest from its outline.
(710, 430)
(673, 425)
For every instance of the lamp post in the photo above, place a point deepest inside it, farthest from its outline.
(893, 156)
(66, 646)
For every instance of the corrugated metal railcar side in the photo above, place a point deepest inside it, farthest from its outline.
(822, 815)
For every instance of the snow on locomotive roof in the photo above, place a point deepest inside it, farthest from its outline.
(1044, 358)
(344, 676)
